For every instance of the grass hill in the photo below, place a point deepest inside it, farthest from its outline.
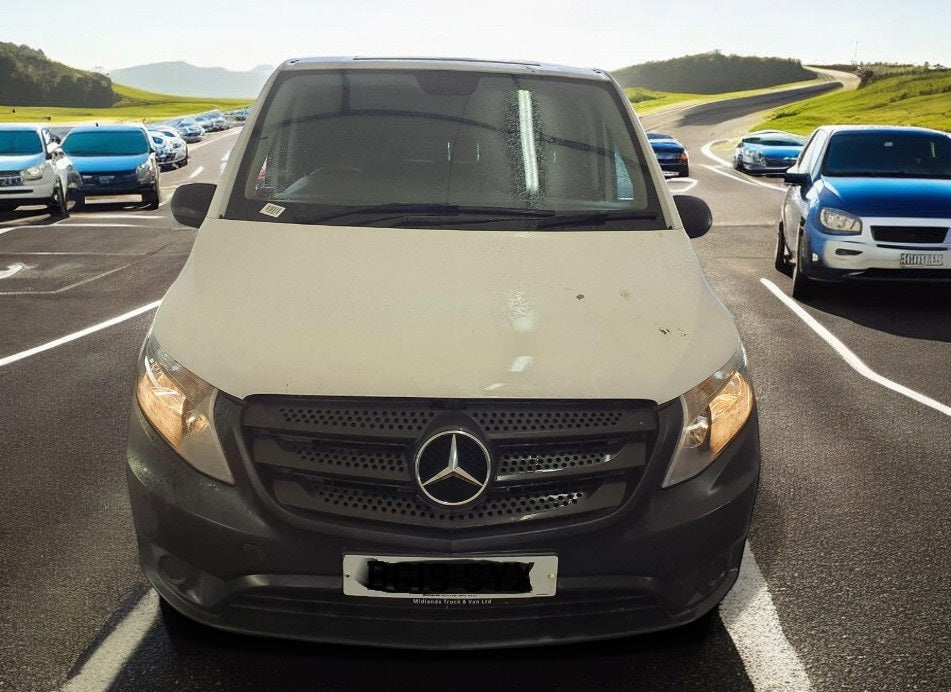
(189, 80)
(131, 104)
(712, 73)
(30, 78)
(888, 96)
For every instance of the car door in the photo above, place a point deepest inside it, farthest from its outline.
(796, 202)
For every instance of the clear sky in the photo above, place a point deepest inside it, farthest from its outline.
(239, 34)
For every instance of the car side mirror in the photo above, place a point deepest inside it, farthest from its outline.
(695, 214)
(796, 178)
(190, 203)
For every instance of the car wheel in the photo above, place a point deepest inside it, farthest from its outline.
(783, 265)
(803, 287)
(684, 172)
(152, 197)
(57, 204)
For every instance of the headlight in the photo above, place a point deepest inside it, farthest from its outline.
(759, 158)
(842, 222)
(32, 173)
(144, 171)
(180, 406)
(714, 412)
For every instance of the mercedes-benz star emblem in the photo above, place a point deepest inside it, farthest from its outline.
(453, 468)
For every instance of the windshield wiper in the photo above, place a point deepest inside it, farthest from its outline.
(596, 218)
(409, 208)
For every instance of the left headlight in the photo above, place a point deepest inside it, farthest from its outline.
(144, 171)
(840, 222)
(32, 173)
(713, 413)
(180, 406)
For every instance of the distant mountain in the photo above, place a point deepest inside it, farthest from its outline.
(29, 78)
(183, 79)
(713, 73)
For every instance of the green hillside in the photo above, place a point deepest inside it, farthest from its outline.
(131, 104)
(29, 78)
(888, 97)
(712, 73)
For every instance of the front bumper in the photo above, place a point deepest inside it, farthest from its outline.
(836, 258)
(95, 185)
(29, 191)
(219, 555)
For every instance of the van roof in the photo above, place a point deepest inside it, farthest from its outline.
(354, 62)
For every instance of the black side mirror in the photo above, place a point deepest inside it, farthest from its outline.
(695, 214)
(190, 203)
(796, 178)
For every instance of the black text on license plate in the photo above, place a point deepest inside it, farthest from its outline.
(10, 182)
(922, 259)
(411, 577)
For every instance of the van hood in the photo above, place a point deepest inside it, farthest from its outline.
(20, 162)
(265, 308)
(107, 164)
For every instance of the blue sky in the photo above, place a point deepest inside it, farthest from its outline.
(239, 34)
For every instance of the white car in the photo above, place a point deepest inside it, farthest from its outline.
(442, 371)
(174, 145)
(34, 170)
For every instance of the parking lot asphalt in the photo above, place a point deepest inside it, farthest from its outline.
(850, 529)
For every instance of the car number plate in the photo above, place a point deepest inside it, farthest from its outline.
(105, 179)
(465, 579)
(921, 259)
(10, 181)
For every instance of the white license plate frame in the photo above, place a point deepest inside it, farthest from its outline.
(543, 576)
(921, 260)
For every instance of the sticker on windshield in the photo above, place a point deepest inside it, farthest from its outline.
(271, 210)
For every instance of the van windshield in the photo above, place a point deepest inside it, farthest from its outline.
(410, 148)
(106, 143)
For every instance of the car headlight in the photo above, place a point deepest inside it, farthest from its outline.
(180, 406)
(836, 221)
(759, 158)
(32, 173)
(713, 413)
(144, 171)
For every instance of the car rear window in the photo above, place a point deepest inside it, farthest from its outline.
(20, 142)
(332, 141)
(106, 143)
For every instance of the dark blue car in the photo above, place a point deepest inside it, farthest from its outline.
(115, 160)
(671, 154)
(867, 202)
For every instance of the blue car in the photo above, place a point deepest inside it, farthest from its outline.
(115, 160)
(671, 154)
(867, 202)
(767, 152)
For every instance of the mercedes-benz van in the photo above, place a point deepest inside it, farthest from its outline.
(442, 370)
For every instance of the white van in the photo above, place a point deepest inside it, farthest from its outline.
(442, 370)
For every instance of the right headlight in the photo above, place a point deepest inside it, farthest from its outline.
(180, 406)
(144, 171)
(841, 222)
(713, 413)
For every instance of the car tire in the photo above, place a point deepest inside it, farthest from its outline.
(783, 265)
(803, 287)
(739, 165)
(684, 172)
(57, 203)
(152, 197)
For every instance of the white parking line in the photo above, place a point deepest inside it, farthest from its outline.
(78, 335)
(738, 179)
(10, 270)
(105, 225)
(849, 357)
(102, 667)
(751, 620)
(689, 184)
(197, 172)
(707, 150)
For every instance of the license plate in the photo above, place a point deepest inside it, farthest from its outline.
(105, 179)
(10, 182)
(921, 259)
(435, 578)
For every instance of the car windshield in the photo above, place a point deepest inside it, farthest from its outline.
(888, 154)
(405, 148)
(106, 143)
(20, 142)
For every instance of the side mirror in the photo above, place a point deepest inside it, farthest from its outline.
(190, 203)
(796, 178)
(694, 213)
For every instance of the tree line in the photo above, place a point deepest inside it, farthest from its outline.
(32, 79)
(713, 73)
